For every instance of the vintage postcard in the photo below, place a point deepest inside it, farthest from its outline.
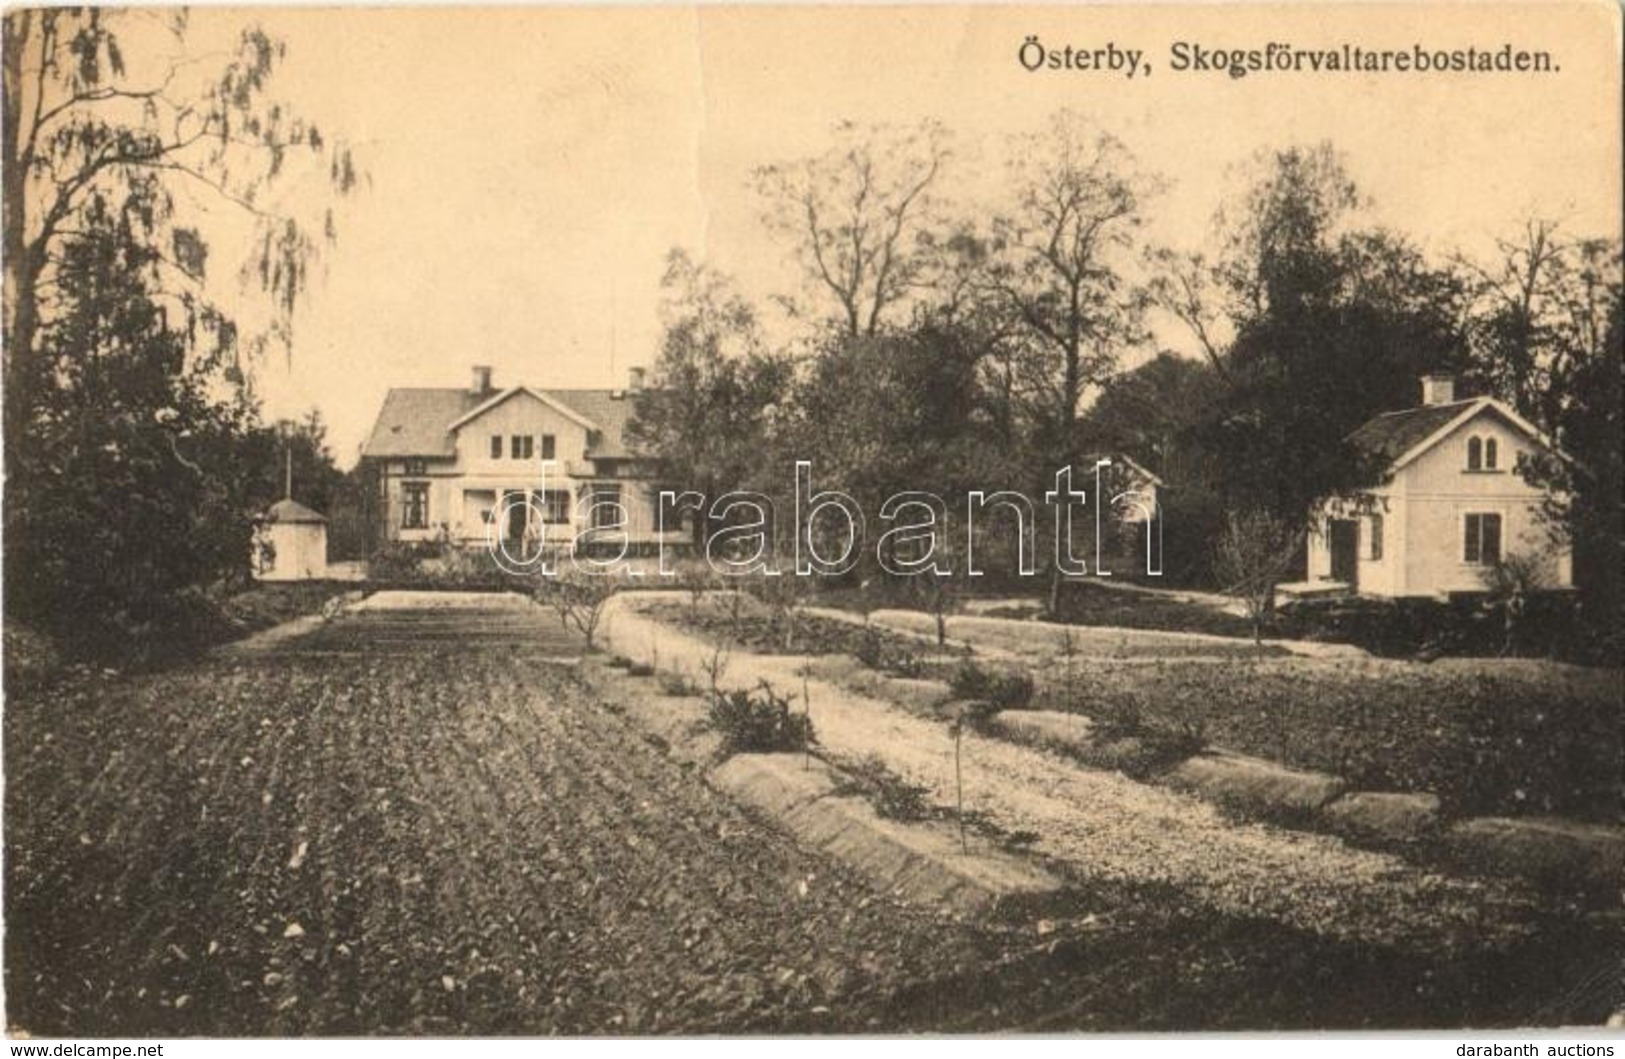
(655, 521)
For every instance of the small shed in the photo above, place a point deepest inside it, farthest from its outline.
(290, 543)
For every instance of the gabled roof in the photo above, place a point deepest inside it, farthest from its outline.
(1397, 438)
(413, 422)
(420, 422)
(292, 512)
(541, 395)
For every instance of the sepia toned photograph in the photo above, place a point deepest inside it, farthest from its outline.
(783, 521)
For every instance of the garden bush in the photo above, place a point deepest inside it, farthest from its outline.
(1005, 690)
(758, 721)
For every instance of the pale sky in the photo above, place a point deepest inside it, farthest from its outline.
(530, 167)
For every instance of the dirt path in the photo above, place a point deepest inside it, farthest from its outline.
(367, 830)
(1106, 826)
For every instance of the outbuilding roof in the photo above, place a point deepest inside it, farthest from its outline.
(291, 512)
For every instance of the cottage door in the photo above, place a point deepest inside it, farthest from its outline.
(1345, 542)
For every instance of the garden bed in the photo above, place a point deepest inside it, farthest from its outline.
(1516, 742)
(744, 623)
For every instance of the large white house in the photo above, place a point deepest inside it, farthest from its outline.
(1448, 505)
(521, 464)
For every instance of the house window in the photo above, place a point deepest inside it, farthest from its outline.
(607, 512)
(1374, 538)
(555, 504)
(417, 467)
(520, 446)
(1489, 454)
(496, 446)
(548, 447)
(1475, 454)
(1481, 543)
(415, 505)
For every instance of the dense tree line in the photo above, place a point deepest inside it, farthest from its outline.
(945, 346)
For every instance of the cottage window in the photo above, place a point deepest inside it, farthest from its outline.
(1481, 543)
(555, 505)
(415, 505)
(496, 446)
(520, 446)
(1475, 454)
(549, 447)
(1489, 454)
(1374, 538)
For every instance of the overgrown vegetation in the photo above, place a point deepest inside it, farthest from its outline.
(135, 453)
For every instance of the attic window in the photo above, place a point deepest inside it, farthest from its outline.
(1482, 454)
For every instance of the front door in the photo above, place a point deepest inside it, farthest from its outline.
(514, 510)
(1345, 542)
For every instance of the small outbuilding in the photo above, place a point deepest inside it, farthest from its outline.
(290, 543)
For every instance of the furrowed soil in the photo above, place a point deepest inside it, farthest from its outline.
(422, 820)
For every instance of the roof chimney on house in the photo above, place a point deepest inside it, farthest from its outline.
(634, 380)
(1438, 388)
(482, 380)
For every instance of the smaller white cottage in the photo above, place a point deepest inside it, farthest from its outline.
(1448, 505)
(290, 544)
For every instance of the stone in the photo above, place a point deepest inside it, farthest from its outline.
(1393, 817)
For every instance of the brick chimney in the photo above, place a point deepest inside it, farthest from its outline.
(481, 384)
(634, 380)
(1438, 388)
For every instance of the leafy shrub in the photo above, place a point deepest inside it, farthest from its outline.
(676, 685)
(1005, 690)
(893, 797)
(887, 655)
(758, 722)
(1468, 625)
(578, 599)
